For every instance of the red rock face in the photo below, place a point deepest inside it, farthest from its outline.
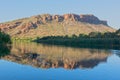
(24, 25)
(5, 27)
(72, 17)
(46, 18)
(91, 19)
(84, 18)
(58, 18)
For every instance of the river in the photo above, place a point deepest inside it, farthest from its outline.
(32, 61)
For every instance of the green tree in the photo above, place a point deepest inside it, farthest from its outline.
(95, 34)
(4, 38)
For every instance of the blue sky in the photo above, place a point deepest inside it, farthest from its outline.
(104, 9)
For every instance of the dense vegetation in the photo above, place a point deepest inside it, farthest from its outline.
(94, 39)
(4, 38)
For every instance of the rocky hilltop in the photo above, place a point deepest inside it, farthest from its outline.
(54, 25)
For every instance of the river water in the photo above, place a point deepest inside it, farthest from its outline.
(32, 61)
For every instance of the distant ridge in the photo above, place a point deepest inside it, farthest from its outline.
(55, 25)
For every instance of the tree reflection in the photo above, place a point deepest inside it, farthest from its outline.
(4, 50)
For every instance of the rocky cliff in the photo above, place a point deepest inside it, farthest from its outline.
(47, 25)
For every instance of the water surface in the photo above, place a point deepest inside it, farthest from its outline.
(31, 61)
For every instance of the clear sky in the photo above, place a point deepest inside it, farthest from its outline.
(104, 9)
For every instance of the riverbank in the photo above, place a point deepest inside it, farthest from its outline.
(111, 43)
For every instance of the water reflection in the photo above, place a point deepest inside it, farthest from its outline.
(44, 56)
(4, 50)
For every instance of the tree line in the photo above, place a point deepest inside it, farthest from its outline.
(93, 39)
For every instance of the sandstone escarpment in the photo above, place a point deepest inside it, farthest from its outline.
(52, 25)
(92, 19)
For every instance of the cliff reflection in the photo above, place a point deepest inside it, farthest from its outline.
(44, 56)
